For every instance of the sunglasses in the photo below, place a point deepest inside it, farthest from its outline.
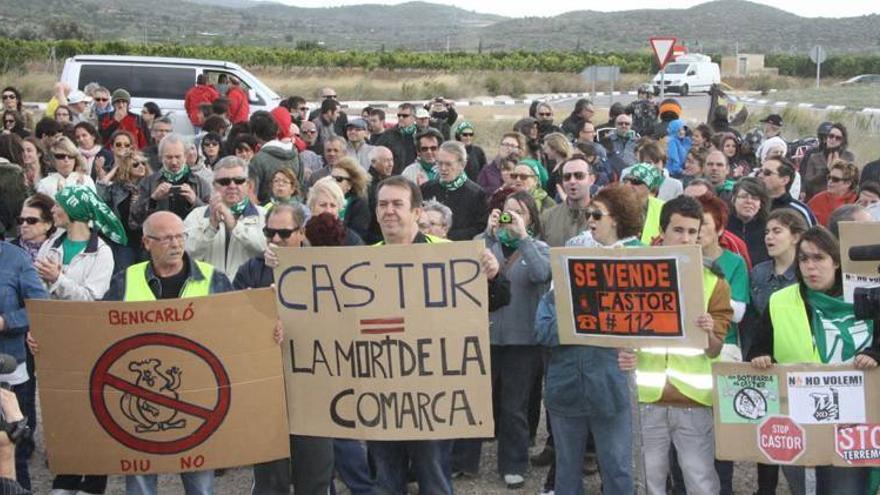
(101, 99)
(9, 96)
(122, 145)
(428, 148)
(595, 214)
(577, 176)
(467, 134)
(62, 156)
(404, 115)
(516, 176)
(835, 180)
(282, 233)
(27, 220)
(225, 181)
(138, 164)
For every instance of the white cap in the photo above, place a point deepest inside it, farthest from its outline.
(421, 113)
(77, 96)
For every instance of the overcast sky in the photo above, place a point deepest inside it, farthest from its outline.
(806, 8)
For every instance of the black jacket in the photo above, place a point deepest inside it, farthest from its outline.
(476, 160)
(752, 234)
(403, 148)
(468, 204)
(357, 217)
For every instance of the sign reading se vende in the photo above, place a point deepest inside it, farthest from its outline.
(629, 297)
(160, 387)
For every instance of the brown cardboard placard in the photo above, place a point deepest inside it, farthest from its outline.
(859, 235)
(386, 343)
(820, 414)
(160, 387)
(629, 297)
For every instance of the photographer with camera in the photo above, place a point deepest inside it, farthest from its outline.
(13, 431)
(804, 323)
(174, 187)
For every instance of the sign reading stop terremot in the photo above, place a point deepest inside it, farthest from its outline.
(781, 439)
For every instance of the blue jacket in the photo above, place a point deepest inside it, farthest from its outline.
(581, 380)
(18, 281)
(253, 274)
(219, 281)
(677, 148)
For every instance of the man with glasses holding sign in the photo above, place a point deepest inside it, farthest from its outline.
(228, 231)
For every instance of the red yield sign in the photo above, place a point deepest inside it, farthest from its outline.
(781, 439)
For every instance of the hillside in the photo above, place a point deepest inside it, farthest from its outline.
(716, 27)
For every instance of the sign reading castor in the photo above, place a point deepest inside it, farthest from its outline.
(165, 386)
(799, 414)
(386, 343)
(781, 439)
(629, 297)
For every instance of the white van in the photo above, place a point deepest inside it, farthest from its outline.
(162, 80)
(689, 73)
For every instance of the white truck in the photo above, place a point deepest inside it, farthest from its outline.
(162, 80)
(687, 74)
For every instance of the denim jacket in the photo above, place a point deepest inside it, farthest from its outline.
(581, 380)
(18, 281)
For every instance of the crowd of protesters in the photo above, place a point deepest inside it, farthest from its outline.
(99, 203)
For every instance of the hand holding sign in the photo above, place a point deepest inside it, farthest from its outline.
(864, 362)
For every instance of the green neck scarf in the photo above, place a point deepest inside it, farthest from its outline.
(238, 208)
(345, 206)
(838, 335)
(509, 240)
(428, 169)
(83, 205)
(456, 183)
(409, 130)
(174, 178)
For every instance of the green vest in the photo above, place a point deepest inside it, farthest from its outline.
(792, 335)
(651, 228)
(432, 239)
(137, 288)
(688, 370)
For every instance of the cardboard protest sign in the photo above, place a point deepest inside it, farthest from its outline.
(797, 414)
(167, 386)
(386, 343)
(629, 297)
(859, 256)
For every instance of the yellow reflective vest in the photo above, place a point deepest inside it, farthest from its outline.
(792, 336)
(688, 370)
(652, 220)
(137, 288)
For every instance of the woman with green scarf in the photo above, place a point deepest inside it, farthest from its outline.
(530, 176)
(809, 322)
(512, 235)
(76, 265)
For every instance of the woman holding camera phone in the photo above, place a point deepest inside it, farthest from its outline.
(803, 323)
(513, 234)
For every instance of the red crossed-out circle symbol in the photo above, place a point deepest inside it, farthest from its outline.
(212, 417)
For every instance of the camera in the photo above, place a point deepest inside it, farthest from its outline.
(505, 218)
(175, 189)
(866, 303)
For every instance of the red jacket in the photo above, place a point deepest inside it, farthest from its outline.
(239, 107)
(195, 97)
(824, 204)
(131, 123)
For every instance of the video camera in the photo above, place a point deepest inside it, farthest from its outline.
(18, 431)
(866, 300)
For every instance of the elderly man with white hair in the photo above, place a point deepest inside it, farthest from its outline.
(229, 230)
(174, 187)
(453, 188)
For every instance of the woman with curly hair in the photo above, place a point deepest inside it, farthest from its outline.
(354, 181)
(585, 390)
